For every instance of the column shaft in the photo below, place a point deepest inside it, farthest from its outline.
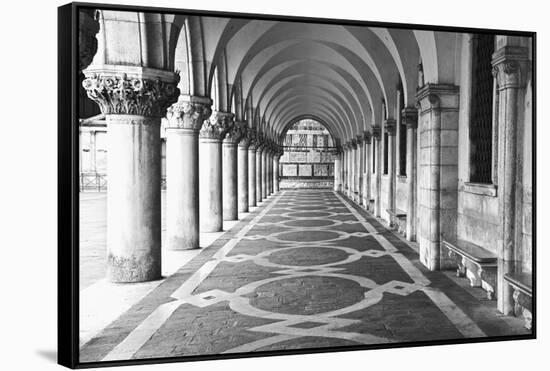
(229, 180)
(337, 164)
(210, 181)
(252, 177)
(377, 201)
(182, 188)
(264, 174)
(259, 197)
(242, 168)
(411, 184)
(133, 199)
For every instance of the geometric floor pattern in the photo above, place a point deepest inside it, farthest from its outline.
(308, 269)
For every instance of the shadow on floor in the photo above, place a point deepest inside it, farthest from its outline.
(50, 355)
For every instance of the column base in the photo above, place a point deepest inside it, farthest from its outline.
(132, 269)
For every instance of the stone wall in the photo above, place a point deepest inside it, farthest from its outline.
(401, 195)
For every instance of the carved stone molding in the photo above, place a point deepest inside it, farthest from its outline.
(511, 66)
(438, 97)
(409, 116)
(251, 137)
(367, 137)
(189, 112)
(376, 132)
(217, 125)
(260, 141)
(87, 43)
(244, 140)
(236, 133)
(136, 91)
(390, 126)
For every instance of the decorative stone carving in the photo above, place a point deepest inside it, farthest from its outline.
(367, 137)
(260, 141)
(217, 125)
(523, 307)
(376, 132)
(244, 140)
(236, 133)
(131, 94)
(359, 140)
(409, 116)
(482, 275)
(353, 143)
(87, 42)
(189, 112)
(437, 96)
(390, 127)
(251, 136)
(511, 67)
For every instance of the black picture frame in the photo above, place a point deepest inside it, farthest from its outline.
(68, 183)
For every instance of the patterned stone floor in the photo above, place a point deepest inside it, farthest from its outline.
(306, 270)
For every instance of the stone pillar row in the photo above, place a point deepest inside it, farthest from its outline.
(233, 167)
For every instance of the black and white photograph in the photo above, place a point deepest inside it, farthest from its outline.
(253, 184)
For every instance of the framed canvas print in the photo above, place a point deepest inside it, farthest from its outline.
(236, 185)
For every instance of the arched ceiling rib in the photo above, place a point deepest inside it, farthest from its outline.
(277, 71)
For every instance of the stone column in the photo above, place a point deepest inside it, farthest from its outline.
(185, 119)
(353, 157)
(259, 150)
(252, 198)
(367, 176)
(276, 172)
(243, 171)
(230, 176)
(210, 182)
(133, 100)
(511, 69)
(337, 170)
(378, 168)
(438, 170)
(269, 162)
(410, 118)
(360, 164)
(348, 170)
(264, 173)
(391, 126)
(344, 169)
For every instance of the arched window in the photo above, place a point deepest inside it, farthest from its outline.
(481, 111)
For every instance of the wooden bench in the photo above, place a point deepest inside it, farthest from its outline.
(398, 220)
(475, 263)
(522, 283)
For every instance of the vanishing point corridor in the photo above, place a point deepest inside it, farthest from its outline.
(306, 269)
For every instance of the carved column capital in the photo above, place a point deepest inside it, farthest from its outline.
(376, 132)
(189, 112)
(359, 140)
(127, 90)
(437, 96)
(217, 125)
(390, 127)
(409, 116)
(236, 133)
(511, 66)
(251, 137)
(367, 136)
(353, 143)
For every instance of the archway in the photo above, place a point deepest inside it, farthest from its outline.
(308, 155)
